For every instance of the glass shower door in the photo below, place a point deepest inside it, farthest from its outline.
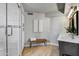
(2, 29)
(14, 28)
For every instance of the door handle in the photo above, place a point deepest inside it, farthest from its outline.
(10, 30)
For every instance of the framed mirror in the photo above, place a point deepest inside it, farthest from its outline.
(76, 22)
(73, 23)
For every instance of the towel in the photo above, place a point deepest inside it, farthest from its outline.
(33, 39)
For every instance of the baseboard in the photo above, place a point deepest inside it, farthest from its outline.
(27, 45)
(20, 54)
(49, 43)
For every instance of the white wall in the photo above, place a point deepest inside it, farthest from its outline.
(78, 6)
(57, 24)
(29, 33)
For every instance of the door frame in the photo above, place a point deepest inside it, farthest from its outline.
(6, 31)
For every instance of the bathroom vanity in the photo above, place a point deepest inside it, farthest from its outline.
(68, 46)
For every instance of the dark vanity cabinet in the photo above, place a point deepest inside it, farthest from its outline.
(68, 49)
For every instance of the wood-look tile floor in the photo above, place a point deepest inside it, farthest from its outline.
(41, 51)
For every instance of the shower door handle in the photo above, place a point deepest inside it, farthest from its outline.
(10, 30)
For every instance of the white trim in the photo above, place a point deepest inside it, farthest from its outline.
(49, 43)
(26, 45)
(20, 53)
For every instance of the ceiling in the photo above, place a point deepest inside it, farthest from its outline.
(43, 7)
(48, 7)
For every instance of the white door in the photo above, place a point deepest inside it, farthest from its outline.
(2, 29)
(13, 29)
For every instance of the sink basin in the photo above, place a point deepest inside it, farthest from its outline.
(68, 38)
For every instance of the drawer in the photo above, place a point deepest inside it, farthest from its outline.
(68, 48)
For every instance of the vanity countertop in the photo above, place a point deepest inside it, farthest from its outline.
(67, 38)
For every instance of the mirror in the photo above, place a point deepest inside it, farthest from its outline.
(76, 22)
(73, 20)
(73, 23)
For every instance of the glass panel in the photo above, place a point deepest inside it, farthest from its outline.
(2, 29)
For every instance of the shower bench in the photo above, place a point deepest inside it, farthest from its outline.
(38, 41)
